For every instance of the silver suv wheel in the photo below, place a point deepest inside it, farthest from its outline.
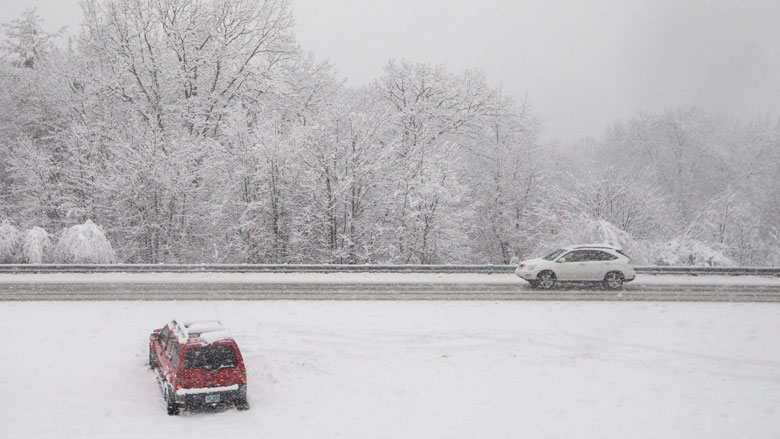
(613, 280)
(545, 280)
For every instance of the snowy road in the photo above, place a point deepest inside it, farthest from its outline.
(373, 287)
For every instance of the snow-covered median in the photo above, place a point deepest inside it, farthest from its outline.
(406, 370)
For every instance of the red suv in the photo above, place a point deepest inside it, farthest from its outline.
(198, 365)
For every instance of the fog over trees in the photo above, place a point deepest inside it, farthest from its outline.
(199, 131)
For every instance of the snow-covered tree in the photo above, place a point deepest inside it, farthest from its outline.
(582, 228)
(252, 175)
(36, 246)
(347, 156)
(184, 63)
(507, 181)
(434, 111)
(715, 175)
(26, 43)
(10, 243)
(198, 131)
(686, 150)
(84, 244)
(624, 196)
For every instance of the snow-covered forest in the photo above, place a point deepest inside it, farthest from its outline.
(200, 131)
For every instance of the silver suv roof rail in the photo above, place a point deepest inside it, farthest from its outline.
(601, 246)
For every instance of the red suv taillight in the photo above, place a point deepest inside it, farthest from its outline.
(178, 383)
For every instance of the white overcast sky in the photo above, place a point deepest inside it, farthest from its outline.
(583, 64)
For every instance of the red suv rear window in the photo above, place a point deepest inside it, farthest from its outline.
(211, 357)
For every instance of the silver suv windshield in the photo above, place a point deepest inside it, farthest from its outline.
(554, 254)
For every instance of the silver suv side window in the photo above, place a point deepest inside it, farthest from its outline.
(604, 256)
(598, 255)
(576, 256)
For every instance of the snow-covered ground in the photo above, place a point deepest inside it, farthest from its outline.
(406, 370)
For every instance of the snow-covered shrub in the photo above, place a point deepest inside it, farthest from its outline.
(36, 246)
(84, 244)
(10, 241)
(687, 251)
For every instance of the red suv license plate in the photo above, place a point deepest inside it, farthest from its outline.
(212, 398)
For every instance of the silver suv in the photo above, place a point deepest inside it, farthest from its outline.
(579, 263)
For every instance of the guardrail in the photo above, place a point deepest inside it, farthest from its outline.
(250, 268)
(330, 268)
(693, 271)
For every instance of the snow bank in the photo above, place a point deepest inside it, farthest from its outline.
(689, 252)
(84, 244)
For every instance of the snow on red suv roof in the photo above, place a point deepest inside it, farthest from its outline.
(200, 331)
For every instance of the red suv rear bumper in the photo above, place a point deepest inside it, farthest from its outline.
(235, 394)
